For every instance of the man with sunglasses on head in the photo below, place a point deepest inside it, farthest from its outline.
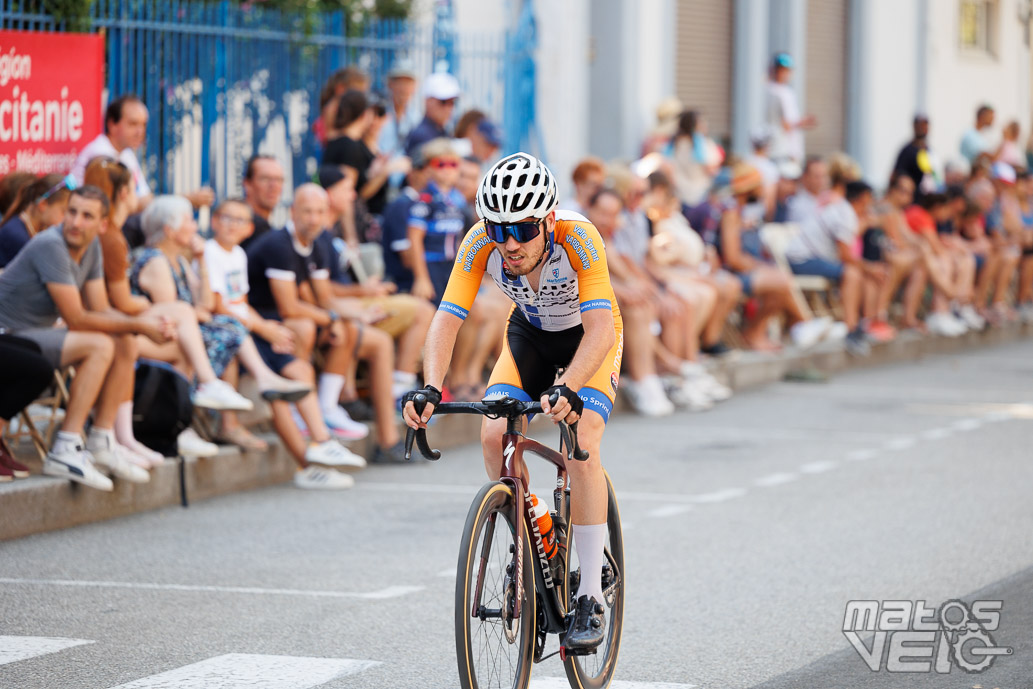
(441, 91)
(552, 264)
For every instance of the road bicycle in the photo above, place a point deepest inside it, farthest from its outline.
(509, 595)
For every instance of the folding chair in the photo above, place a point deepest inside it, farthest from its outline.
(29, 421)
(776, 237)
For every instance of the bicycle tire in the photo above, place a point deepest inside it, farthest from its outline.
(481, 643)
(596, 671)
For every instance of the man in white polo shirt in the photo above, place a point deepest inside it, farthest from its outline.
(125, 127)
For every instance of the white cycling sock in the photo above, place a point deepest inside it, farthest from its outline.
(590, 540)
(330, 387)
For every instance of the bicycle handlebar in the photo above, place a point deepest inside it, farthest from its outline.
(505, 407)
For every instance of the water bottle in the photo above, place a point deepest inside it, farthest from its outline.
(544, 519)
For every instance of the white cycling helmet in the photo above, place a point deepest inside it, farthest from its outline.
(517, 187)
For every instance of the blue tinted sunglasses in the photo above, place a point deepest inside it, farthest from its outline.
(520, 231)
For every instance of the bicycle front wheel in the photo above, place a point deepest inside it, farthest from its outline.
(494, 646)
(595, 671)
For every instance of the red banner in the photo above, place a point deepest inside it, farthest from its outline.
(50, 98)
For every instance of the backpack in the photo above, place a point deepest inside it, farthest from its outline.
(162, 407)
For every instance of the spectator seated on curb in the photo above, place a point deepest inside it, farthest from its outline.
(804, 205)
(825, 247)
(589, 176)
(24, 374)
(263, 189)
(37, 206)
(59, 274)
(228, 275)
(742, 252)
(890, 241)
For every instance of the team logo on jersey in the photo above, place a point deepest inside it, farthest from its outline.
(613, 381)
(555, 272)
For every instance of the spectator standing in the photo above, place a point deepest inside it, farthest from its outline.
(37, 206)
(589, 176)
(914, 159)
(477, 136)
(402, 113)
(976, 144)
(263, 189)
(125, 128)
(346, 79)
(441, 91)
(695, 159)
(436, 223)
(59, 274)
(784, 115)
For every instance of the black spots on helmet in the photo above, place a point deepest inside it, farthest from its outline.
(522, 180)
(521, 202)
(494, 204)
(536, 179)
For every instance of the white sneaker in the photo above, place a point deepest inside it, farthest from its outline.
(342, 425)
(647, 396)
(332, 453)
(320, 478)
(837, 332)
(944, 325)
(107, 453)
(1026, 312)
(76, 464)
(701, 378)
(806, 334)
(971, 317)
(190, 444)
(690, 394)
(218, 394)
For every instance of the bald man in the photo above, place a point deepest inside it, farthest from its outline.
(289, 280)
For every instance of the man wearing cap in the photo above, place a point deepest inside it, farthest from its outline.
(441, 91)
(477, 136)
(913, 160)
(783, 112)
(402, 114)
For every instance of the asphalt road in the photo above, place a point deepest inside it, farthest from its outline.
(747, 531)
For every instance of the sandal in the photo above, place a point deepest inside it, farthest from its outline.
(244, 439)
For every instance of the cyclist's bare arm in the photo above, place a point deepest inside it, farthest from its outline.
(596, 343)
(441, 338)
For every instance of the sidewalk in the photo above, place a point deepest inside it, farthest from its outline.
(39, 504)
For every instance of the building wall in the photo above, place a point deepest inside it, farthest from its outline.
(959, 81)
(703, 62)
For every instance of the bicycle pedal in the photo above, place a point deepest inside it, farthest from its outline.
(567, 653)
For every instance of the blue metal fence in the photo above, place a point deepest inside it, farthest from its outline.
(223, 81)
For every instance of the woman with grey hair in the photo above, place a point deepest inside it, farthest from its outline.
(162, 272)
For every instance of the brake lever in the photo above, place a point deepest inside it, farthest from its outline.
(419, 403)
(568, 435)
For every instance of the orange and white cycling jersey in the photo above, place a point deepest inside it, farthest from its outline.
(574, 276)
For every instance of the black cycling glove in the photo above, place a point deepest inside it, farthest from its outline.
(432, 394)
(577, 405)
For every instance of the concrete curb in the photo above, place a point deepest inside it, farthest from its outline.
(39, 503)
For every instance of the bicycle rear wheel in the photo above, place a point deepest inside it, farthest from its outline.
(595, 671)
(493, 649)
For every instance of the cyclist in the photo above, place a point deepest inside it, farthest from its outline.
(552, 264)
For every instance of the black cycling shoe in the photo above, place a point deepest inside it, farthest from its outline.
(586, 627)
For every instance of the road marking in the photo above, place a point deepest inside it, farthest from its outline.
(967, 424)
(389, 592)
(899, 444)
(562, 683)
(862, 455)
(15, 648)
(719, 495)
(247, 671)
(997, 417)
(936, 433)
(775, 479)
(669, 511)
(819, 467)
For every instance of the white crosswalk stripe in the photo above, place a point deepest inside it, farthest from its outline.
(15, 648)
(246, 671)
(562, 683)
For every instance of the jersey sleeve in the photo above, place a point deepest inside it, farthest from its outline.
(467, 271)
(587, 253)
